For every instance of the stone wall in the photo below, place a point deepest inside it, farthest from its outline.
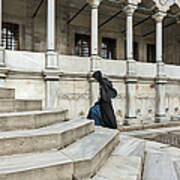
(25, 73)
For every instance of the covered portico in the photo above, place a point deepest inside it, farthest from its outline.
(131, 16)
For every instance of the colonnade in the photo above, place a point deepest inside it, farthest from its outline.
(52, 71)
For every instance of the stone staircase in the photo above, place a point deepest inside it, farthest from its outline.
(46, 145)
(38, 144)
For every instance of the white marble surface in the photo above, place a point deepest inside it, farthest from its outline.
(132, 147)
(53, 129)
(158, 166)
(25, 60)
(177, 167)
(24, 162)
(120, 168)
(89, 146)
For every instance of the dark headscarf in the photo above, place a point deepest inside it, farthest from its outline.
(107, 90)
(97, 75)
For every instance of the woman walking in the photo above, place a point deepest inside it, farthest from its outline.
(107, 92)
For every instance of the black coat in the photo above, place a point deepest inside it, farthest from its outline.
(107, 92)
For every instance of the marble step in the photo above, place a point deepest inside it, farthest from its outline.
(18, 105)
(126, 161)
(31, 119)
(51, 137)
(120, 168)
(90, 153)
(7, 93)
(129, 147)
(159, 166)
(36, 166)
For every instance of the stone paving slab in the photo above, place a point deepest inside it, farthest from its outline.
(159, 166)
(177, 167)
(120, 168)
(89, 153)
(45, 166)
(132, 147)
(151, 146)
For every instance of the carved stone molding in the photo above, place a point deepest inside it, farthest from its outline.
(159, 16)
(135, 2)
(163, 5)
(94, 3)
(129, 9)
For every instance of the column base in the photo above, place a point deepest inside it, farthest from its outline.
(51, 78)
(128, 121)
(52, 60)
(131, 68)
(161, 119)
(2, 56)
(3, 75)
(93, 66)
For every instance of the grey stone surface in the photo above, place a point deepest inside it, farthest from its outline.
(89, 153)
(32, 119)
(177, 167)
(7, 93)
(158, 166)
(120, 168)
(45, 166)
(132, 147)
(18, 105)
(52, 137)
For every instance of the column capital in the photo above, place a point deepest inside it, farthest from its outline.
(94, 3)
(159, 16)
(129, 9)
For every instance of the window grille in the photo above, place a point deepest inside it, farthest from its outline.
(10, 36)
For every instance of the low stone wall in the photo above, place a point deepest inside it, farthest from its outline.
(172, 139)
(25, 74)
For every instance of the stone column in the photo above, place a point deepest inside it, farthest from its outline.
(52, 69)
(94, 26)
(52, 60)
(130, 116)
(94, 48)
(94, 32)
(160, 113)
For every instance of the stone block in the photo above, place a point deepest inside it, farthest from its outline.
(31, 120)
(52, 137)
(120, 168)
(89, 154)
(46, 166)
(159, 166)
(6, 93)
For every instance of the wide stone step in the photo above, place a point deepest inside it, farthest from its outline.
(18, 105)
(7, 93)
(31, 119)
(44, 166)
(90, 153)
(52, 137)
(120, 168)
(130, 146)
(159, 166)
(125, 162)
